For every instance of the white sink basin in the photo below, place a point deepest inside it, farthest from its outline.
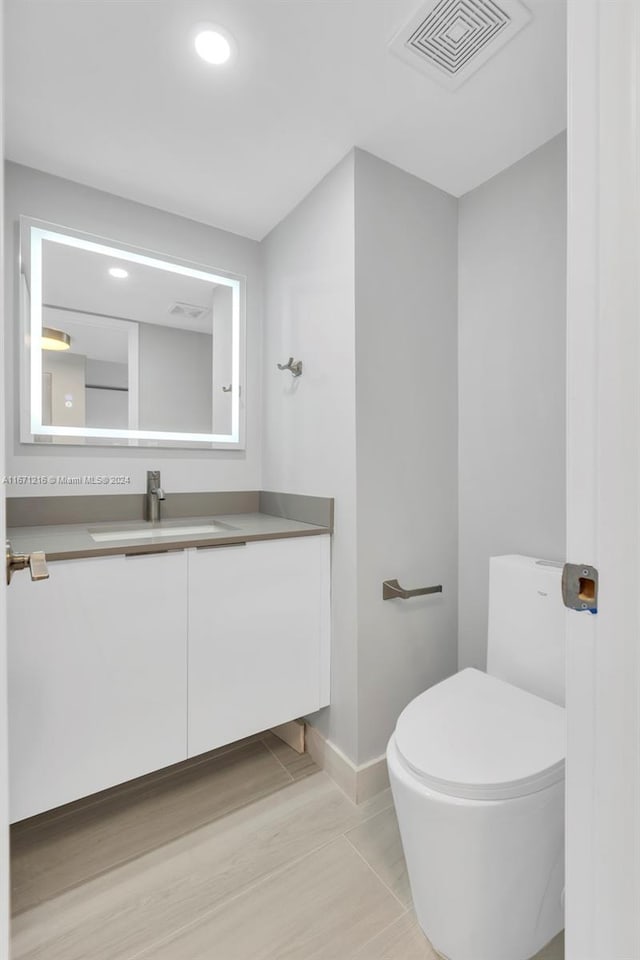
(148, 532)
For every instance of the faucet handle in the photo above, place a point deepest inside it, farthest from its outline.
(155, 494)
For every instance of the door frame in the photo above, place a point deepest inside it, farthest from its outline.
(4, 710)
(603, 480)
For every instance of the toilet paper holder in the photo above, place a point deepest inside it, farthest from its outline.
(391, 590)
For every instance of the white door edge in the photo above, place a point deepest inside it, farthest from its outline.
(603, 481)
(4, 713)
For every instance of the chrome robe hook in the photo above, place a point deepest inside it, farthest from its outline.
(295, 368)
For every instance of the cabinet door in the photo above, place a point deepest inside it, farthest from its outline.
(97, 676)
(258, 637)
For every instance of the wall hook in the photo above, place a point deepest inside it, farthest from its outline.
(295, 368)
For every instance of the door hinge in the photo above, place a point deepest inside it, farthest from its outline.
(580, 587)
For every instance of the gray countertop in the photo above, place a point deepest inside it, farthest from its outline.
(68, 541)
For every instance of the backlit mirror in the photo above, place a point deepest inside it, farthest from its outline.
(124, 346)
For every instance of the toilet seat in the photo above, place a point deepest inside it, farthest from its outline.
(476, 737)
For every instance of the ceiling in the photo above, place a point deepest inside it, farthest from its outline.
(110, 93)
(93, 341)
(78, 280)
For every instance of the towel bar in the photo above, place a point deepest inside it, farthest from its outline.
(391, 590)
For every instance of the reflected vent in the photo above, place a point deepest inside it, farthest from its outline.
(451, 39)
(189, 311)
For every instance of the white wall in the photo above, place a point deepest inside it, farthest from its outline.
(107, 408)
(361, 286)
(107, 373)
(67, 379)
(407, 418)
(512, 328)
(176, 372)
(309, 442)
(35, 194)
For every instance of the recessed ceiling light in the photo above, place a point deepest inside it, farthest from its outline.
(214, 45)
(118, 272)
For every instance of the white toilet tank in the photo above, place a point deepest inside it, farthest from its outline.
(526, 641)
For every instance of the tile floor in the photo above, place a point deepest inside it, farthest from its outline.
(250, 853)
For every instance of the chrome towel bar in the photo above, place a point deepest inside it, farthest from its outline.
(391, 590)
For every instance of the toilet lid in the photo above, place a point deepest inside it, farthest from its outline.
(477, 737)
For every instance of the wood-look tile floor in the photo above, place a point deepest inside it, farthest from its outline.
(248, 854)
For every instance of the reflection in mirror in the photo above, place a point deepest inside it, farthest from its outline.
(130, 347)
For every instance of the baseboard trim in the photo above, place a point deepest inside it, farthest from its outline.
(360, 783)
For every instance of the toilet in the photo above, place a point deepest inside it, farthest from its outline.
(476, 765)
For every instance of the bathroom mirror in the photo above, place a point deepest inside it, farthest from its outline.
(125, 346)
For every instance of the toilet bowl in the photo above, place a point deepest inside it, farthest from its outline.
(476, 765)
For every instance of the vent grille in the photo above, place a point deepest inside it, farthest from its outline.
(451, 39)
(190, 311)
(454, 32)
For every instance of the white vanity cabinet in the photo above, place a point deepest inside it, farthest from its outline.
(119, 666)
(258, 637)
(97, 676)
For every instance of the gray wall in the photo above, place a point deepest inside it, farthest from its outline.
(512, 331)
(309, 442)
(406, 388)
(175, 379)
(36, 194)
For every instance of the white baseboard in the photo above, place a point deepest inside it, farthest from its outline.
(358, 782)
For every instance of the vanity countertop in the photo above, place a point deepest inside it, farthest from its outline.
(73, 540)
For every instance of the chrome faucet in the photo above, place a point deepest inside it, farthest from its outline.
(155, 494)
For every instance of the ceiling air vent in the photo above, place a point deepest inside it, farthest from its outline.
(451, 39)
(189, 311)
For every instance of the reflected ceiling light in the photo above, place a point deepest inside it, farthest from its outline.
(54, 339)
(214, 45)
(118, 272)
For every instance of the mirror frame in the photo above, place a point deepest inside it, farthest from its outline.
(32, 234)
